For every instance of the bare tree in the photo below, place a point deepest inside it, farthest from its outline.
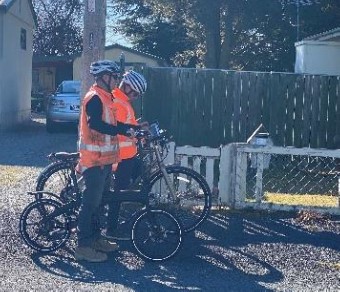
(93, 39)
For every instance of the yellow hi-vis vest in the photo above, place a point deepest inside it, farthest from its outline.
(97, 149)
(125, 114)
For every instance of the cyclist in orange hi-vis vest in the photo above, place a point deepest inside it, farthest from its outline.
(132, 86)
(99, 150)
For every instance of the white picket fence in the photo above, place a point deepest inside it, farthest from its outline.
(227, 168)
(213, 163)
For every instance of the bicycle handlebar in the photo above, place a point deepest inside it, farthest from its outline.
(154, 133)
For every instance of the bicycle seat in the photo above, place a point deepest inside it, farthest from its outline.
(64, 155)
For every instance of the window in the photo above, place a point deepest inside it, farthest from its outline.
(23, 39)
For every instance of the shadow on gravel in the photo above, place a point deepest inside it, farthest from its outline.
(231, 252)
(30, 144)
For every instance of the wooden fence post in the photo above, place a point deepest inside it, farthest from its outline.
(170, 158)
(227, 175)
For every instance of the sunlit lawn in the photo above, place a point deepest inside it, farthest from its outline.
(306, 199)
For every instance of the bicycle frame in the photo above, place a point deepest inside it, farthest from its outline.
(150, 150)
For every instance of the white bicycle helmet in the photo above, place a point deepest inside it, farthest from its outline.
(104, 66)
(136, 81)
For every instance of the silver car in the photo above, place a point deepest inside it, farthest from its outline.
(63, 106)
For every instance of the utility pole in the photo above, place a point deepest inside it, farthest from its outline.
(93, 39)
(298, 20)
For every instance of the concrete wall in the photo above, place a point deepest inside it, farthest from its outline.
(16, 66)
(318, 57)
(114, 54)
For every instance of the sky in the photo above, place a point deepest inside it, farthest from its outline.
(116, 38)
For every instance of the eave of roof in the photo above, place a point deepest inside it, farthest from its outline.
(133, 51)
(5, 5)
(43, 59)
(324, 36)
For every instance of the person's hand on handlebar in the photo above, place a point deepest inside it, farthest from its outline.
(131, 133)
(144, 125)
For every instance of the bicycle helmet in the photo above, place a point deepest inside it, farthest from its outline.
(136, 81)
(104, 66)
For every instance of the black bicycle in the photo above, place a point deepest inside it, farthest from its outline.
(179, 190)
(47, 223)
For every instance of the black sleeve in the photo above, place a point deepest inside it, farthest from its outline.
(94, 111)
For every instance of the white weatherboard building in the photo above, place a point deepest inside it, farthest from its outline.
(319, 54)
(17, 22)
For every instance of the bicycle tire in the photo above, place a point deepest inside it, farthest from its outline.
(192, 193)
(157, 235)
(40, 232)
(58, 178)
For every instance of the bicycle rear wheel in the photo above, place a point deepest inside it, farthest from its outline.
(40, 229)
(59, 178)
(192, 195)
(156, 235)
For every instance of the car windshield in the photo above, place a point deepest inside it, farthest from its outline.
(69, 87)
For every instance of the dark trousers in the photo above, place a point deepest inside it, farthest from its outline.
(127, 170)
(97, 181)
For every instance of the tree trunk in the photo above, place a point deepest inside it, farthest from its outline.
(93, 39)
(227, 40)
(213, 35)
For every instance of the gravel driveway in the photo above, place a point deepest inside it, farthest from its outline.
(232, 251)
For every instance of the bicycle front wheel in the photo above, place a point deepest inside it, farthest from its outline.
(58, 178)
(191, 202)
(157, 235)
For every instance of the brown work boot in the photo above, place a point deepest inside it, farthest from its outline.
(104, 245)
(89, 254)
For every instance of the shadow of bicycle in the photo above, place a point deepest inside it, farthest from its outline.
(230, 251)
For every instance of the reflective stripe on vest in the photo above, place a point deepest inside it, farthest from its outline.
(97, 148)
(126, 144)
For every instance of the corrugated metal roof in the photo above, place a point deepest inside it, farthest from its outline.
(333, 34)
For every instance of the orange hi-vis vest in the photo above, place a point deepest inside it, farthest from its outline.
(125, 114)
(97, 149)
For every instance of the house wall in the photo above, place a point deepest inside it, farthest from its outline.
(318, 57)
(15, 85)
(1, 34)
(114, 54)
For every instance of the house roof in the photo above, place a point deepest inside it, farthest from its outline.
(5, 2)
(5, 5)
(330, 35)
(118, 46)
(50, 59)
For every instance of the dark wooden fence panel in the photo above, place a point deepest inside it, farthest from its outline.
(332, 112)
(336, 118)
(255, 102)
(290, 101)
(298, 127)
(227, 107)
(214, 107)
(323, 112)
